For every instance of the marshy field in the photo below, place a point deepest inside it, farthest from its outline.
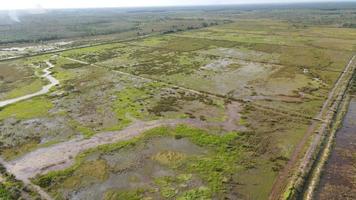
(173, 103)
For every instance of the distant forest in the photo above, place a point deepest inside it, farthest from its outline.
(34, 26)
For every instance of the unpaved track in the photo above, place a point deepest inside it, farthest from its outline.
(62, 155)
(281, 181)
(45, 89)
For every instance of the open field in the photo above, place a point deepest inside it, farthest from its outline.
(219, 111)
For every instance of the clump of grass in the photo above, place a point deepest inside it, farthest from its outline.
(169, 157)
(167, 189)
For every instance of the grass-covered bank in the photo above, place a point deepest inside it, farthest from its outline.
(305, 179)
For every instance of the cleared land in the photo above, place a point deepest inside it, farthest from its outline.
(210, 113)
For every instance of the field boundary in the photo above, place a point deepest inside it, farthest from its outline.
(293, 189)
(205, 93)
(326, 148)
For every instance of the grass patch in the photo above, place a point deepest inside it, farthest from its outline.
(66, 63)
(97, 166)
(11, 153)
(201, 193)
(33, 87)
(169, 157)
(85, 131)
(36, 107)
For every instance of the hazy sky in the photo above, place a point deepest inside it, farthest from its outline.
(25, 4)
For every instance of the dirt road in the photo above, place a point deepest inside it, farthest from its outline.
(45, 89)
(283, 177)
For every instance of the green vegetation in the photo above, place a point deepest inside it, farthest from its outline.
(11, 188)
(16, 78)
(37, 107)
(26, 89)
(95, 54)
(66, 63)
(353, 84)
(11, 153)
(129, 104)
(120, 24)
(225, 158)
(86, 131)
(243, 85)
(200, 193)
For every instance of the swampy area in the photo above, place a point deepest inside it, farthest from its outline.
(174, 103)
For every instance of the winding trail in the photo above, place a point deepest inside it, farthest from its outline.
(45, 89)
(61, 155)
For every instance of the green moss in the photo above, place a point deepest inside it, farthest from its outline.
(36, 107)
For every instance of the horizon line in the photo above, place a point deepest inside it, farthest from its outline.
(188, 5)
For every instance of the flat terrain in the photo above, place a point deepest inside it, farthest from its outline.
(336, 181)
(224, 110)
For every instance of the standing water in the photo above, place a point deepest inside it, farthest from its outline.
(338, 180)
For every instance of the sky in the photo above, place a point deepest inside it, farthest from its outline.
(31, 4)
